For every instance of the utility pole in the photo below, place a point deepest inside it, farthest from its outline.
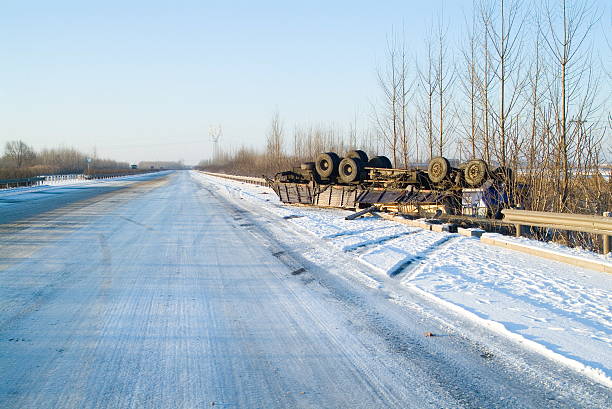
(215, 135)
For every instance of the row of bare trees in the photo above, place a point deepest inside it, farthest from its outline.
(20, 160)
(521, 92)
(521, 88)
(287, 149)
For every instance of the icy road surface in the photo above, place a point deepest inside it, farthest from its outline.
(167, 292)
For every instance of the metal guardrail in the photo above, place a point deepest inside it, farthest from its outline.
(599, 225)
(245, 179)
(63, 177)
(7, 183)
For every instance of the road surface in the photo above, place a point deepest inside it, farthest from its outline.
(160, 293)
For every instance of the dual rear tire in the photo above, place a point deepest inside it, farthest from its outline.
(327, 165)
(475, 172)
(357, 154)
(351, 170)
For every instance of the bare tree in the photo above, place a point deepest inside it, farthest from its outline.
(405, 89)
(19, 153)
(536, 142)
(485, 78)
(469, 85)
(565, 32)
(505, 31)
(274, 144)
(428, 84)
(352, 131)
(444, 77)
(387, 118)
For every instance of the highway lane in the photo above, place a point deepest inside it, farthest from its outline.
(163, 295)
(23, 203)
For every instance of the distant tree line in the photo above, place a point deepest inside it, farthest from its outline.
(282, 153)
(21, 160)
(165, 165)
(521, 88)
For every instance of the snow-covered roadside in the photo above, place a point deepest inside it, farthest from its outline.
(561, 311)
(553, 248)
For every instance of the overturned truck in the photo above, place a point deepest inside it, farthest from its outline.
(357, 182)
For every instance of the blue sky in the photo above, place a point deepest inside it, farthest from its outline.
(145, 79)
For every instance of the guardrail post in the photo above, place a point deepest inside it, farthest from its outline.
(519, 227)
(607, 240)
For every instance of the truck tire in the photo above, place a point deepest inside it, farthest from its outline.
(327, 164)
(307, 166)
(361, 155)
(476, 172)
(438, 169)
(350, 170)
(380, 162)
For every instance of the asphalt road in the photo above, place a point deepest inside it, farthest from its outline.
(159, 293)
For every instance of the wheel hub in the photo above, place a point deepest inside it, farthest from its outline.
(436, 169)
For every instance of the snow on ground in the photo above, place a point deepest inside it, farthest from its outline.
(551, 247)
(556, 309)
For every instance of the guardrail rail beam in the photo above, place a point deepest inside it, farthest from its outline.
(599, 225)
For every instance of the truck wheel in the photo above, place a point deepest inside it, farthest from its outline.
(475, 172)
(438, 169)
(350, 170)
(327, 164)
